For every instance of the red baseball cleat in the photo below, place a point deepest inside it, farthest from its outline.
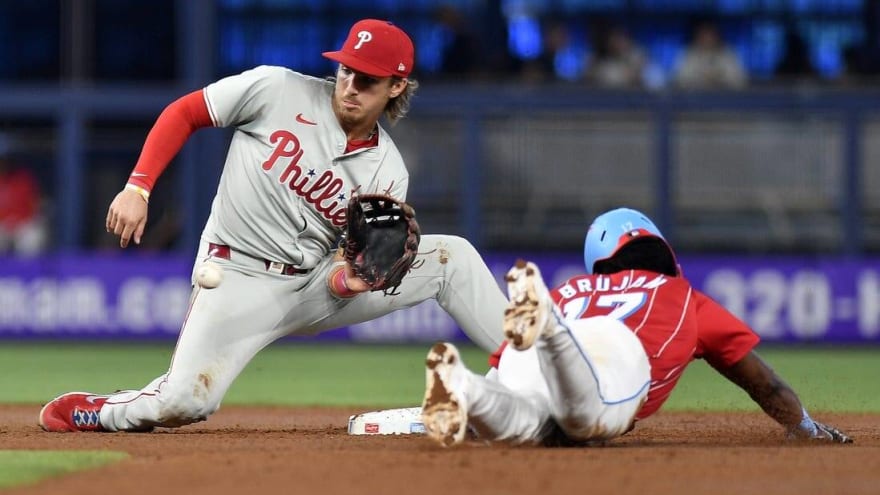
(73, 411)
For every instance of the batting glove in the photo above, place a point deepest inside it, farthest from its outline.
(814, 430)
(830, 433)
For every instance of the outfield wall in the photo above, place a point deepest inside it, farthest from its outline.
(785, 299)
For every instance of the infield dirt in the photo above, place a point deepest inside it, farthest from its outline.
(250, 450)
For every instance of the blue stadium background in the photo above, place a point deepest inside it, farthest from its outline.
(781, 173)
(81, 82)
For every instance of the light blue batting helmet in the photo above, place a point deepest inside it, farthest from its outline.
(614, 229)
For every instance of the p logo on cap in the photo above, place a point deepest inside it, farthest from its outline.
(364, 37)
(376, 48)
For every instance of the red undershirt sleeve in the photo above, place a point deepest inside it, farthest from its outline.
(495, 357)
(172, 129)
(722, 338)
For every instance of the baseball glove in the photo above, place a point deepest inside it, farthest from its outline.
(381, 240)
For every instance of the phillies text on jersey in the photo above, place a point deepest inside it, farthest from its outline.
(288, 174)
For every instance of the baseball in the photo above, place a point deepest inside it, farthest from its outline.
(209, 275)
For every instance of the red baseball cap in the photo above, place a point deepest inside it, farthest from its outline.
(376, 48)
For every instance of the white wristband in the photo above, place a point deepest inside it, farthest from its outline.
(140, 190)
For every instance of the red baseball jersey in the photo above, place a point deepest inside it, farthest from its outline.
(675, 323)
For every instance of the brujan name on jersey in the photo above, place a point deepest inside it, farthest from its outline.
(674, 322)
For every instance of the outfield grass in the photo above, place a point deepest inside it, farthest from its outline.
(290, 373)
(20, 467)
(831, 380)
(825, 379)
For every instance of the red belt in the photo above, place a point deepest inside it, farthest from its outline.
(221, 251)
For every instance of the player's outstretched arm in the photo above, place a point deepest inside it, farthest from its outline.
(778, 400)
(127, 216)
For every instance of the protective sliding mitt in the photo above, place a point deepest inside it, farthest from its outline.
(813, 430)
(381, 240)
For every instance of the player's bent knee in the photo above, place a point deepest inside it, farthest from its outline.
(185, 405)
(583, 428)
(184, 412)
(579, 426)
(453, 250)
(604, 424)
(438, 241)
(459, 244)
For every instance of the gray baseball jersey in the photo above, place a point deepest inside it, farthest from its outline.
(287, 180)
(282, 200)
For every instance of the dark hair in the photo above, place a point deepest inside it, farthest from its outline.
(644, 253)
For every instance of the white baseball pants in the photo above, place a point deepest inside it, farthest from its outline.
(226, 326)
(589, 379)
